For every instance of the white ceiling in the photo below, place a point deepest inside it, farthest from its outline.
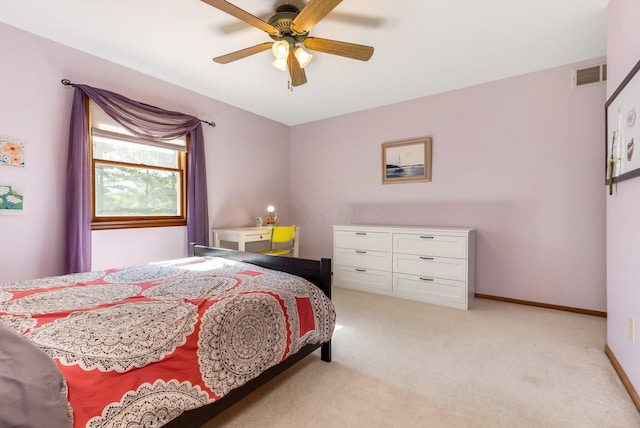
(422, 47)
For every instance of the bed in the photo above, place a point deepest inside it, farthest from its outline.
(166, 344)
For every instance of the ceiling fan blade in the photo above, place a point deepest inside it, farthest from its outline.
(313, 12)
(298, 76)
(334, 47)
(242, 15)
(243, 53)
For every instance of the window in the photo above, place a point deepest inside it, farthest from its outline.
(135, 182)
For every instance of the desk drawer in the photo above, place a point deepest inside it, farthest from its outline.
(362, 240)
(430, 245)
(362, 258)
(235, 236)
(434, 267)
(258, 236)
(362, 279)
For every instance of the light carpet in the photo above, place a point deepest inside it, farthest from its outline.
(400, 363)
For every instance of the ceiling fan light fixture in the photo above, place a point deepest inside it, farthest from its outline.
(289, 30)
(280, 49)
(280, 64)
(302, 56)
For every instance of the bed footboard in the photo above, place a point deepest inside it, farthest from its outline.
(317, 272)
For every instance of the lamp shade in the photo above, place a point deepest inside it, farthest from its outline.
(280, 64)
(302, 56)
(280, 49)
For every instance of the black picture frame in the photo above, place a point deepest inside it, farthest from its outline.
(623, 130)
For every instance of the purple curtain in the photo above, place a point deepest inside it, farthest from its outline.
(144, 121)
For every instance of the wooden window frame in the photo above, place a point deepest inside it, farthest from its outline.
(129, 222)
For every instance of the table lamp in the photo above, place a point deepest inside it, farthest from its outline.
(272, 217)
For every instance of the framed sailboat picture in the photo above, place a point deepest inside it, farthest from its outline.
(406, 161)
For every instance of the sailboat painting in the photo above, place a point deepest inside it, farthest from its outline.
(406, 161)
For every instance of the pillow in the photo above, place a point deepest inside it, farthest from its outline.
(33, 392)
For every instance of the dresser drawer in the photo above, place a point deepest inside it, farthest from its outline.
(362, 258)
(430, 245)
(429, 289)
(434, 267)
(362, 240)
(361, 279)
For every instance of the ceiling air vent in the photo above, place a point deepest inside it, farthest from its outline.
(590, 75)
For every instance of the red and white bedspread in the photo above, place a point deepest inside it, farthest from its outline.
(139, 346)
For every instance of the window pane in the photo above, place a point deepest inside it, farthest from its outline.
(128, 191)
(124, 151)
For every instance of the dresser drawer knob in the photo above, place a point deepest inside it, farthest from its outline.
(426, 258)
(426, 237)
(360, 270)
(426, 279)
(361, 252)
(361, 233)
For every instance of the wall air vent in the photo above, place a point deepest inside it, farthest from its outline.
(590, 75)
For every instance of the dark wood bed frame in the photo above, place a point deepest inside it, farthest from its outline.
(316, 271)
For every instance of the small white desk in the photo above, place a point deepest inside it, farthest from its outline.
(242, 235)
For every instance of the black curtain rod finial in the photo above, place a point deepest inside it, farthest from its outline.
(67, 82)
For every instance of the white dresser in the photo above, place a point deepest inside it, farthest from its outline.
(431, 264)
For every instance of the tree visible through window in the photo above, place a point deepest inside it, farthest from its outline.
(136, 182)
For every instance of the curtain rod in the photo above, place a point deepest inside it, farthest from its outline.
(68, 82)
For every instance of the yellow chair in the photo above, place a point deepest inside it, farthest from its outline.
(281, 235)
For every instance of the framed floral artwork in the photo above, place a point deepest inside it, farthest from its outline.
(11, 199)
(12, 151)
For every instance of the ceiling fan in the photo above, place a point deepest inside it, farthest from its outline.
(289, 28)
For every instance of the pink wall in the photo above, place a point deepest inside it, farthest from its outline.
(245, 167)
(623, 228)
(519, 159)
